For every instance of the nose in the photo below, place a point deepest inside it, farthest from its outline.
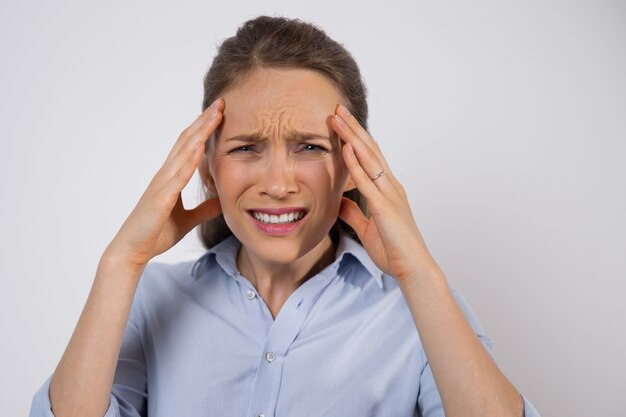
(279, 177)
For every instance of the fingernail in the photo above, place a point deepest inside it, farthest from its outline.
(344, 110)
(340, 120)
(214, 104)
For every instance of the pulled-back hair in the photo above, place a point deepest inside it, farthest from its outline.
(278, 42)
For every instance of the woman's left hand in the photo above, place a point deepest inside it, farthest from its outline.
(390, 236)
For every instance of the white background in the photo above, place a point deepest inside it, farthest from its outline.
(506, 122)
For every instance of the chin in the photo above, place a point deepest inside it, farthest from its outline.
(281, 250)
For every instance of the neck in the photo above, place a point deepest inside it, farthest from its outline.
(276, 281)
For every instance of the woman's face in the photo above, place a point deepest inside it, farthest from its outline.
(275, 158)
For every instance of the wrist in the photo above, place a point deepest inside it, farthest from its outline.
(422, 274)
(114, 259)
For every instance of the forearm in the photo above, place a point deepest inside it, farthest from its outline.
(468, 380)
(81, 384)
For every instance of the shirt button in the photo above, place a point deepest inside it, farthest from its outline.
(250, 294)
(270, 356)
(260, 415)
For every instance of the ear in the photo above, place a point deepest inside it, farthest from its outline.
(205, 175)
(350, 185)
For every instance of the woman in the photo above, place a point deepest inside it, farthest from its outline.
(317, 296)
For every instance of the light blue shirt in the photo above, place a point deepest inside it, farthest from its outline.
(200, 341)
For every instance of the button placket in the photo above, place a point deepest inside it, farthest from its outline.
(282, 332)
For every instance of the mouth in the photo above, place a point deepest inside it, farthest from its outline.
(275, 218)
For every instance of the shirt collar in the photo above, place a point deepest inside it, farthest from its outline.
(349, 246)
(225, 254)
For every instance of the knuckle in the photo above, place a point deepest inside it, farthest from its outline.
(182, 172)
(186, 132)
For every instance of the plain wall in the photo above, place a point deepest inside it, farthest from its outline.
(505, 121)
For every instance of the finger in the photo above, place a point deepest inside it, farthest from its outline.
(351, 213)
(361, 133)
(359, 176)
(353, 124)
(201, 128)
(366, 157)
(180, 170)
(205, 211)
(186, 156)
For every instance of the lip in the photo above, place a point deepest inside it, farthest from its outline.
(278, 229)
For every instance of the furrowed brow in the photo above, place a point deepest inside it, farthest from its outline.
(294, 135)
(246, 137)
(298, 135)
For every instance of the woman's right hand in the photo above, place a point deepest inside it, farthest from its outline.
(159, 220)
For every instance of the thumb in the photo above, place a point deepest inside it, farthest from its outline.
(205, 211)
(351, 213)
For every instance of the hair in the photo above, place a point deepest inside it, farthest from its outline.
(279, 42)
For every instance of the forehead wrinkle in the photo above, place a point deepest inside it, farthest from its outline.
(275, 122)
(282, 121)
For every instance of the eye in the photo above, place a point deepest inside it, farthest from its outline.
(242, 149)
(309, 147)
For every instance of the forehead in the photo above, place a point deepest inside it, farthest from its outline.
(277, 99)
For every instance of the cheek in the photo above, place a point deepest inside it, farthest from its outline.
(231, 179)
(325, 176)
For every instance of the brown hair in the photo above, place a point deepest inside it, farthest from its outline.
(266, 42)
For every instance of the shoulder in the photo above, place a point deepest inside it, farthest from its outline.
(391, 290)
(162, 281)
(157, 274)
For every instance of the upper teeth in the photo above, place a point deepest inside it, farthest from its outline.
(274, 218)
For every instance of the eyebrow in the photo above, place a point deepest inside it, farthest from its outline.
(294, 135)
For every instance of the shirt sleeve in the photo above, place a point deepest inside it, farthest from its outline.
(129, 390)
(429, 401)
